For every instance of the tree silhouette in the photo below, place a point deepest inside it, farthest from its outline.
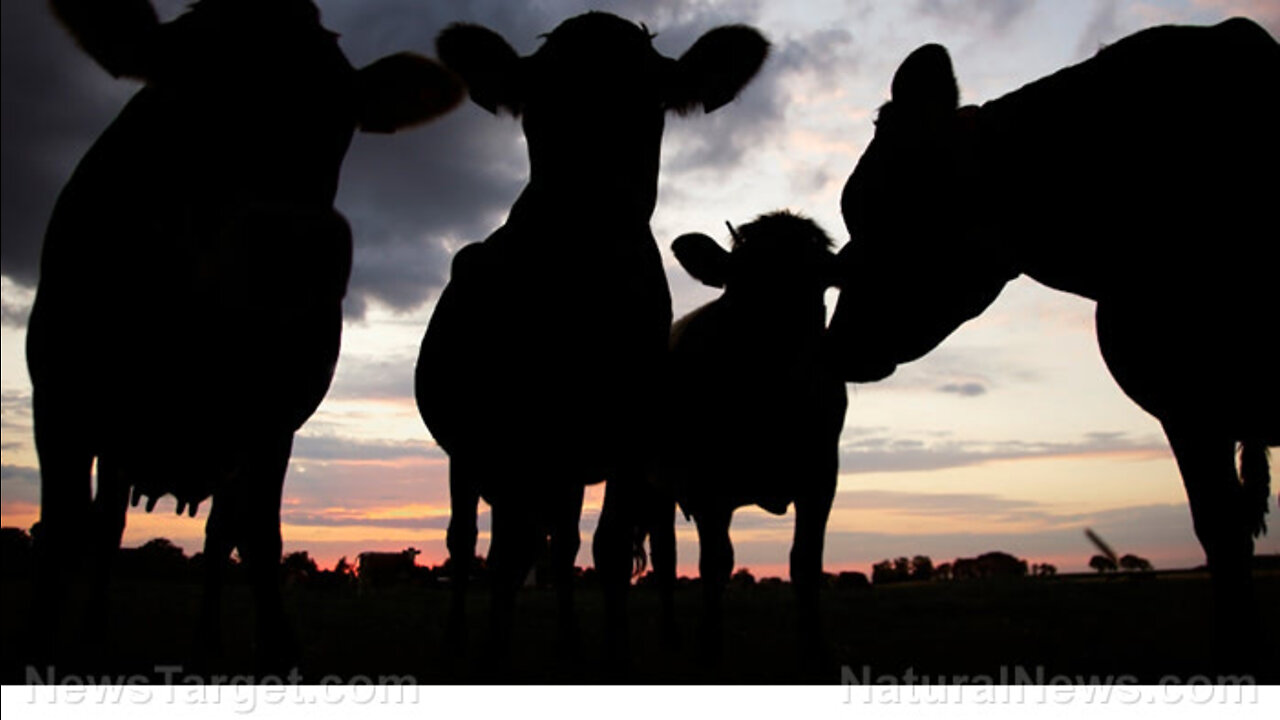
(921, 568)
(1044, 570)
(891, 571)
(882, 573)
(299, 567)
(1102, 564)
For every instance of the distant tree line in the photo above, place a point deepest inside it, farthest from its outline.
(160, 559)
(984, 567)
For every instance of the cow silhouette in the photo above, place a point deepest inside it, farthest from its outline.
(1144, 179)
(755, 411)
(188, 314)
(540, 367)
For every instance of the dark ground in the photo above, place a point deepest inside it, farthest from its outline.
(1077, 626)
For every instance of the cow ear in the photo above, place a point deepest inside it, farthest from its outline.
(486, 63)
(926, 83)
(403, 90)
(718, 66)
(703, 258)
(118, 34)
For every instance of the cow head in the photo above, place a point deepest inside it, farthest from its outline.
(270, 61)
(916, 265)
(594, 95)
(779, 268)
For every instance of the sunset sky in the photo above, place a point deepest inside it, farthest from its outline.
(1010, 436)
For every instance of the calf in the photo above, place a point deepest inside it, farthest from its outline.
(189, 310)
(531, 406)
(755, 415)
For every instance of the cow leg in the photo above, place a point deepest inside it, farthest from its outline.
(1219, 513)
(219, 540)
(812, 511)
(565, 513)
(66, 466)
(109, 509)
(464, 496)
(660, 514)
(258, 527)
(611, 549)
(512, 550)
(715, 565)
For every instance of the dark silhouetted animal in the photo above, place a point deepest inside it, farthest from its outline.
(188, 315)
(540, 367)
(379, 569)
(1144, 178)
(755, 413)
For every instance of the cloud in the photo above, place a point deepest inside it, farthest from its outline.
(995, 16)
(967, 389)
(333, 448)
(19, 474)
(383, 378)
(347, 519)
(15, 302)
(985, 507)
(879, 453)
(720, 142)
(15, 413)
(959, 371)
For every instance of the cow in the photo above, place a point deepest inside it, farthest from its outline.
(754, 412)
(380, 569)
(188, 314)
(540, 366)
(1143, 179)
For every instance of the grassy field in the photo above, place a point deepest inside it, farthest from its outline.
(1081, 627)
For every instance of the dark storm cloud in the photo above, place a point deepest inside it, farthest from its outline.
(879, 453)
(415, 197)
(55, 102)
(411, 198)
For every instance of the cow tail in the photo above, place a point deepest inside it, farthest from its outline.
(1255, 477)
